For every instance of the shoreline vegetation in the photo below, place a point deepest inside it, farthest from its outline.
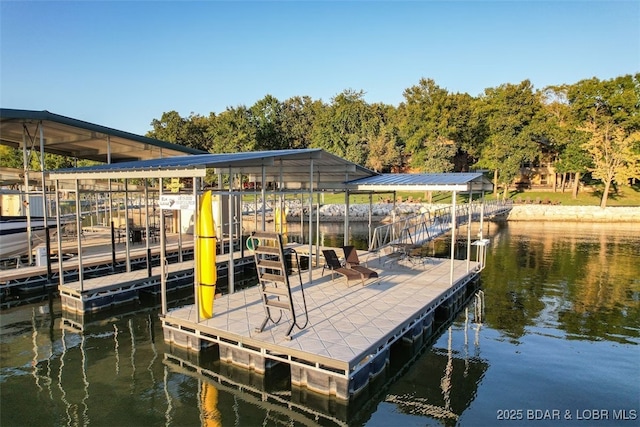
(529, 205)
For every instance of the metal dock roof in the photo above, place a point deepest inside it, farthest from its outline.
(83, 140)
(469, 181)
(287, 166)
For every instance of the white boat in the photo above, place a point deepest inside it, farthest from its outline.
(13, 234)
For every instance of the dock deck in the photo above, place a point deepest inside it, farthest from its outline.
(350, 329)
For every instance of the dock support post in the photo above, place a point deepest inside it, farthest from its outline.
(147, 230)
(370, 220)
(79, 237)
(196, 249)
(127, 227)
(45, 214)
(481, 216)
(469, 218)
(311, 219)
(59, 236)
(25, 202)
(263, 194)
(231, 268)
(163, 278)
(453, 235)
(345, 239)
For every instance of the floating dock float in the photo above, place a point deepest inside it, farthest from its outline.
(351, 328)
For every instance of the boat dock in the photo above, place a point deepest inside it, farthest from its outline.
(335, 338)
(350, 328)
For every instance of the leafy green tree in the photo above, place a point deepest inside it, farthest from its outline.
(383, 142)
(54, 161)
(266, 117)
(341, 128)
(617, 98)
(196, 132)
(169, 128)
(188, 132)
(10, 157)
(564, 143)
(298, 118)
(232, 131)
(510, 113)
(613, 153)
(609, 112)
(466, 130)
(424, 127)
(574, 159)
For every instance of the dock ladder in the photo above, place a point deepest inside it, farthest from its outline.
(274, 285)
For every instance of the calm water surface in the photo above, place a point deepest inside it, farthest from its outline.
(557, 342)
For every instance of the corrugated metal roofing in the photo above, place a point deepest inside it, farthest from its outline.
(418, 179)
(424, 181)
(330, 171)
(83, 140)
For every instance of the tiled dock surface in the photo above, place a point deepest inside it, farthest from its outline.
(348, 325)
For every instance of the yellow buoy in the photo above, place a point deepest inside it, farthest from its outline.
(206, 253)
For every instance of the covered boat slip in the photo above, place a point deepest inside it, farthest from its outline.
(276, 173)
(304, 170)
(40, 132)
(53, 133)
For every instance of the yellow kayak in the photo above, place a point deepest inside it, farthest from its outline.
(281, 223)
(206, 253)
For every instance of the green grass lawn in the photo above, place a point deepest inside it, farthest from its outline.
(625, 196)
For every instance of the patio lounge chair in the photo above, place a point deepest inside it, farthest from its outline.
(353, 262)
(332, 262)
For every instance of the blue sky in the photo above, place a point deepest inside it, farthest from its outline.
(121, 64)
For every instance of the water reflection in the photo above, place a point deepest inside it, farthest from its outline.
(209, 405)
(565, 277)
(558, 327)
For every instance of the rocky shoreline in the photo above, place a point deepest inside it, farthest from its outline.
(382, 212)
(574, 213)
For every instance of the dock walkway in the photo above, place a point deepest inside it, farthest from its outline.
(350, 330)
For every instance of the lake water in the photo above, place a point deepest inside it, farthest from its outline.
(552, 339)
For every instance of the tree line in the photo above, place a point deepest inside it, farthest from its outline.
(590, 127)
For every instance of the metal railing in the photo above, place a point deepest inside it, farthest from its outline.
(421, 228)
